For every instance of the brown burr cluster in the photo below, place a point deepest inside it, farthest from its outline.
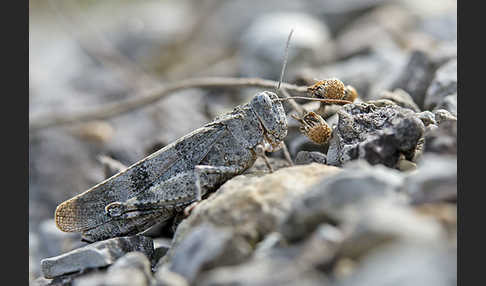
(333, 89)
(315, 127)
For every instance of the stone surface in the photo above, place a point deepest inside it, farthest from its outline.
(443, 84)
(403, 265)
(262, 45)
(207, 247)
(338, 197)
(378, 134)
(448, 103)
(401, 98)
(442, 115)
(306, 157)
(161, 246)
(416, 76)
(131, 269)
(443, 139)
(399, 239)
(252, 205)
(96, 255)
(427, 118)
(264, 272)
(381, 222)
(435, 180)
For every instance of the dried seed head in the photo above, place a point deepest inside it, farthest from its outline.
(315, 127)
(351, 93)
(328, 88)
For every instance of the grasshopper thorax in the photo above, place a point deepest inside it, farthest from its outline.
(271, 114)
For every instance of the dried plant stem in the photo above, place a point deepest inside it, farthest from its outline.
(297, 107)
(154, 95)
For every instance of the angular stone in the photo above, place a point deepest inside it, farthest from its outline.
(435, 180)
(443, 84)
(448, 103)
(442, 139)
(252, 205)
(416, 77)
(165, 277)
(131, 269)
(262, 272)
(381, 223)
(206, 247)
(96, 255)
(306, 157)
(427, 118)
(401, 98)
(378, 134)
(442, 115)
(339, 197)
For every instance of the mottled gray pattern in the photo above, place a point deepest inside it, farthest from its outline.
(159, 186)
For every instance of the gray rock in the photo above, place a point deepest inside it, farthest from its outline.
(262, 45)
(401, 98)
(378, 134)
(373, 30)
(406, 265)
(427, 118)
(131, 269)
(381, 223)
(266, 246)
(443, 84)
(306, 157)
(435, 180)
(336, 198)
(448, 103)
(262, 272)
(252, 205)
(416, 77)
(394, 245)
(127, 277)
(301, 143)
(443, 139)
(132, 260)
(442, 115)
(406, 165)
(161, 246)
(96, 255)
(207, 247)
(165, 277)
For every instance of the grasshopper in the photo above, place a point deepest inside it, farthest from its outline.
(163, 184)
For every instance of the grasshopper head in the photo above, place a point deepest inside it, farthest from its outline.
(272, 116)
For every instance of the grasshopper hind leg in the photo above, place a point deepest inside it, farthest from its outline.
(203, 178)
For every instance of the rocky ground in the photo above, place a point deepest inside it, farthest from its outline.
(375, 205)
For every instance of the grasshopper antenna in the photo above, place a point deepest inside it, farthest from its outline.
(286, 56)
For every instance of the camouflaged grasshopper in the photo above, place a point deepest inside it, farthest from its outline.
(163, 184)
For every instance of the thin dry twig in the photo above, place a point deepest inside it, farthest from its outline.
(297, 107)
(150, 96)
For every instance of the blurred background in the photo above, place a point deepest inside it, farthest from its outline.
(83, 54)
